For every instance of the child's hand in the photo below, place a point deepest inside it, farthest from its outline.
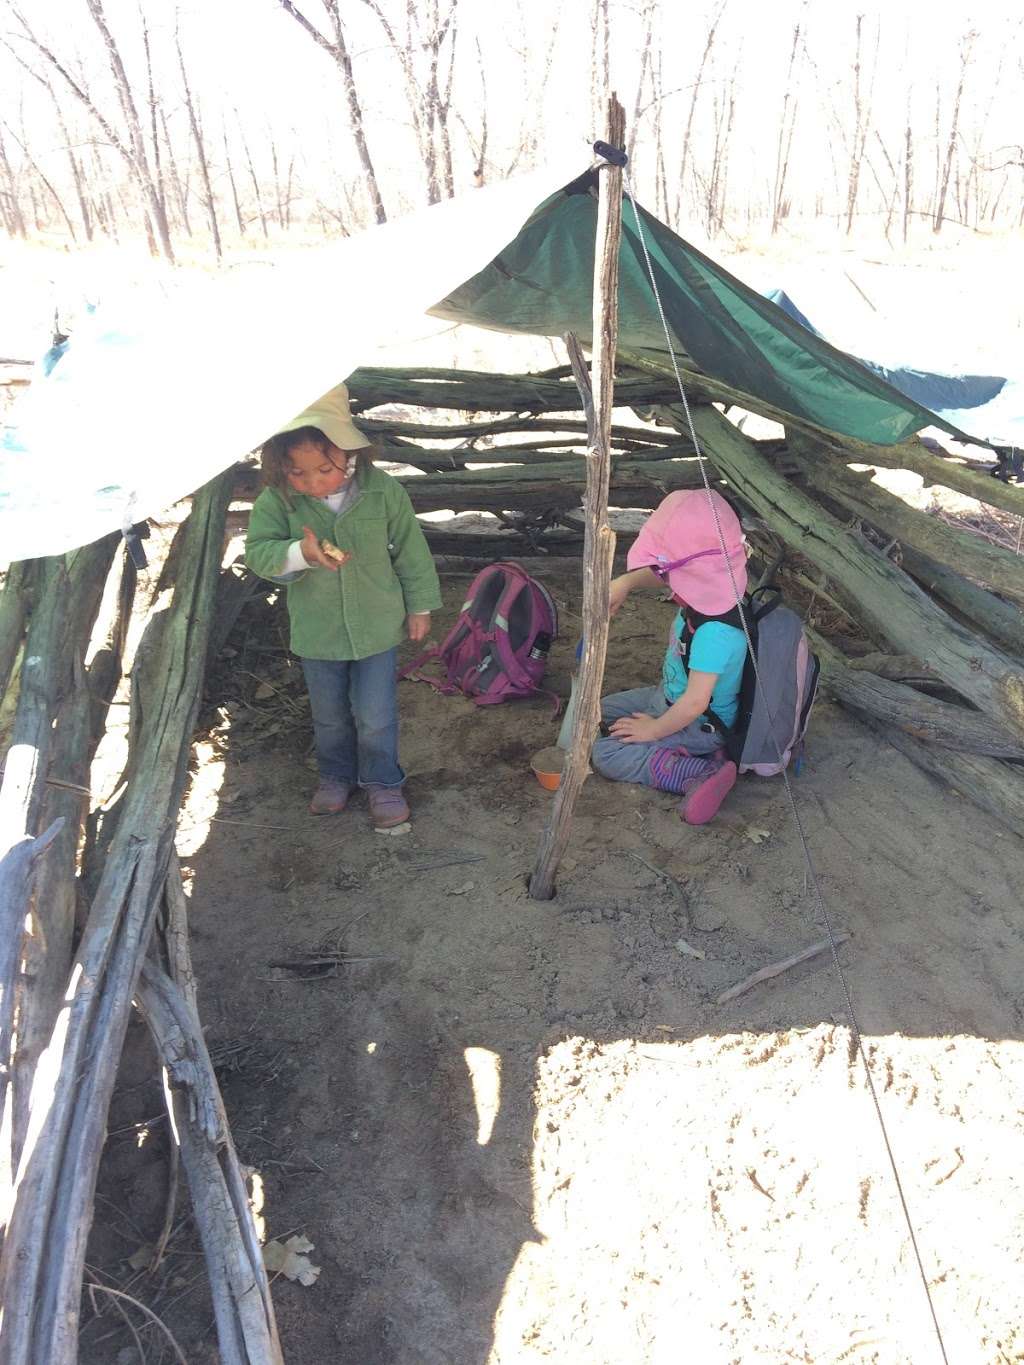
(618, 591)
(636, 729)
(312, 553)
(417, 623)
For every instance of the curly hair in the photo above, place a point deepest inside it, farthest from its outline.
(275, 456)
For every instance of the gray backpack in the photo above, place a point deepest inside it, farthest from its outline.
(789, 673)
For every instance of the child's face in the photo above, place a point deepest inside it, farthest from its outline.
(319, 472)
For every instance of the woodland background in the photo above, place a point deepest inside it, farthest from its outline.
(205, 129)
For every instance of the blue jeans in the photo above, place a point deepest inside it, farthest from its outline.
(631, 762)
(355, 719)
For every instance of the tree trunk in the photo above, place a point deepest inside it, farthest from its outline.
(79, 727)
(44, 1250)
(599, 547)
(338, 50)
(904, 708)
(991, 565)
(139, 159)
(981, 610)
(15, 604)
(197, 138)
(544, 487)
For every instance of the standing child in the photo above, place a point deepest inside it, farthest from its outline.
(664, 736)
(348, 610)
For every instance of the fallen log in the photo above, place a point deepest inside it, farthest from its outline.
(17, 870)
(922, 717)
(887, 598)
(44, 677)
(474, 431)
(981, 609)
(434, 459)
(482, 391)
(633, 484)
(489, 547)
(991, 565)
(946, 471)
(243, 1308)
(43, 1254)
(79, 726)
(15, 601)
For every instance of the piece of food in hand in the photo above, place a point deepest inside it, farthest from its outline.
(332, 552)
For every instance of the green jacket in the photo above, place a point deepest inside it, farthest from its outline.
(359, 609)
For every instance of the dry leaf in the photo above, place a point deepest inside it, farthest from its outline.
(688, 950)
(757, 836)
(142, 1258)
(289, 1259)
(264, 692)
(461, 890)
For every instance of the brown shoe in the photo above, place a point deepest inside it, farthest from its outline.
(388, 807)
(330, 798)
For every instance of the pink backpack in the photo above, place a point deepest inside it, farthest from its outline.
(498, 647)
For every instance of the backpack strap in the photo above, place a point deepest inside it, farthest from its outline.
(413, 671)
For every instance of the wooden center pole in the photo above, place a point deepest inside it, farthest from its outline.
(599, 540)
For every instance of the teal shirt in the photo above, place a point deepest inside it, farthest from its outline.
(715, 648)
(360, 609)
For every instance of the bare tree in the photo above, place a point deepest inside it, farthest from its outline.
(14, 219)
(338, 51)
(724, 115)
(252, 176)
(946, 166)
(908, 171)
(645, 63)
(129, 142)
(229, 169)
(22, 143)
(536, 76)
(660, 170)
(862, 106)
(600, 64)
(154, 136)
(76, 167)
(179, 183)
(787, 125)
(426, 30)
(709, 42)
(478, 139)
(197, 137)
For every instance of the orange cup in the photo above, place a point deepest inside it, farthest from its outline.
(547, 767)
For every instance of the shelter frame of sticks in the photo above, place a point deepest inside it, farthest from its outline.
(93, 915)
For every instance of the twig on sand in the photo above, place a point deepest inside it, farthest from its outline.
(660, 872)
(777, 968)
(157, 1322)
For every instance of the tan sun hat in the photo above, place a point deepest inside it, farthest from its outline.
(330, 414)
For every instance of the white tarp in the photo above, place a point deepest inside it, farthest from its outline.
(160, 391)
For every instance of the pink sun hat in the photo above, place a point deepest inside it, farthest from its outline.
(680, 542)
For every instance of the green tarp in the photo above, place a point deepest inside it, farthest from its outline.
(542, 283)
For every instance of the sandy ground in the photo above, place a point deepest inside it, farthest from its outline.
(520, 1132)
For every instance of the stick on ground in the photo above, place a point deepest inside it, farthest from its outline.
(777, 968)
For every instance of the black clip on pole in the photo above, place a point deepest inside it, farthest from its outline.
(133, 539)
(616, 156)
